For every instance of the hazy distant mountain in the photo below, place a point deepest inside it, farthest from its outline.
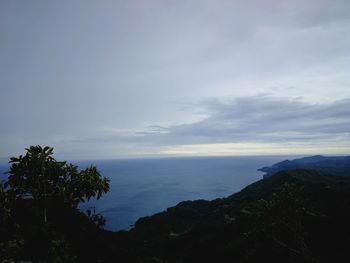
(337, 165)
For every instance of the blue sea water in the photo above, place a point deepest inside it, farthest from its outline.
(142, 187)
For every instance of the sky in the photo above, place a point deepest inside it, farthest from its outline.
(149, 78)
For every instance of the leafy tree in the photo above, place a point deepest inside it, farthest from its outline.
(279, 225)
(5, 203)
(40, 177)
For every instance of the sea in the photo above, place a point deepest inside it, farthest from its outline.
(143, 187)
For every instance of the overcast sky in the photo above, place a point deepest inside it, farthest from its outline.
(115, 79)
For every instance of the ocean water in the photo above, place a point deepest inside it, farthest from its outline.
(142, 187)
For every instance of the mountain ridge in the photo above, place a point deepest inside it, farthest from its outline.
(337, 165)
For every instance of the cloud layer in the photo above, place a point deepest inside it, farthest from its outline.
(81, 74)
(259, 119)
(245, 125)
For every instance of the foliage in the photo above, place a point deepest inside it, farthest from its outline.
(279, 222)
(5, 198)
(39, 176)
(40, 187)
(96, 218)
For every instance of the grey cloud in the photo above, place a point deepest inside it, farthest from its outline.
(260, 119)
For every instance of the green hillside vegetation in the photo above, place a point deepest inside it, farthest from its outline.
(292, 216)
(39, 215)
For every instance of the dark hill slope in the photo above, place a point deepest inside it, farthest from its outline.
(293, 216)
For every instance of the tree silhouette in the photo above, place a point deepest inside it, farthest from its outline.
(40, 177)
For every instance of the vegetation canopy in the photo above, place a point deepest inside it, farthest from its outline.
(37, 200)
(39, 176)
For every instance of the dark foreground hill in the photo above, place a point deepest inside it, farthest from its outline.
(292, 216)
(336, 165)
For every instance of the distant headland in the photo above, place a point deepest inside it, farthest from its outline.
(337, 165)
